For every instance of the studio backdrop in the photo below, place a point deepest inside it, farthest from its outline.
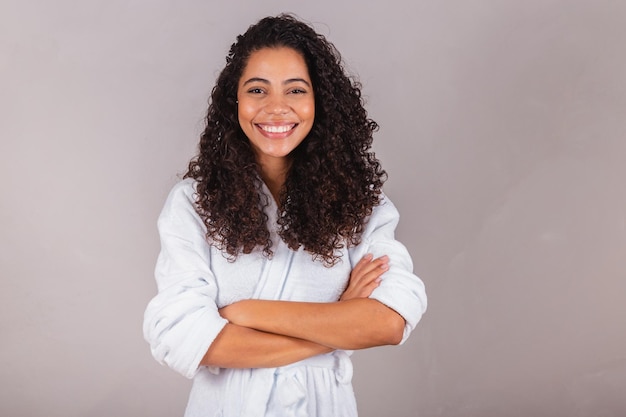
(503, 132)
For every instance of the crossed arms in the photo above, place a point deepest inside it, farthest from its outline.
(263, 333)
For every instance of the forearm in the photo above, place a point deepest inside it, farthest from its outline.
(352, 324)
(241, 347)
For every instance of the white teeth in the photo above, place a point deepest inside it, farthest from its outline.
(276, 129)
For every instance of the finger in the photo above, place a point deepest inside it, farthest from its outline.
(373, 274)
(371, 287)
(365, 260)
(365, 284)
(367, 290)
(360, 269)
(372, 267)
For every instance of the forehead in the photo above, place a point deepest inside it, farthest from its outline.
(275, 63)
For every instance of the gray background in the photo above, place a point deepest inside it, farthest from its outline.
(503, 131)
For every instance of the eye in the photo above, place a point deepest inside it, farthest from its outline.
(255, 90)
(297, 91)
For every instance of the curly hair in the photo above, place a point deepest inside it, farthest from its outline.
(335, 179)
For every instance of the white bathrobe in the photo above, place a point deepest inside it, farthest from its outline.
(195, 279)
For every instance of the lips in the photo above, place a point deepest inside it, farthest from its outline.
(282, 128)
(276, 130)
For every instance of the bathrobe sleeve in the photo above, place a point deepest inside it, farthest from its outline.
(399, 289)
(182, 320)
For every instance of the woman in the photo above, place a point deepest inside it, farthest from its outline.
(278, 253)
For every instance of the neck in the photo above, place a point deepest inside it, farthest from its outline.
(274, 176)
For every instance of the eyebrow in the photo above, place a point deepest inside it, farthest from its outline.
(289, 81)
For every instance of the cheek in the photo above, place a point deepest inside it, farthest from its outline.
(309, 110)
(245, 113)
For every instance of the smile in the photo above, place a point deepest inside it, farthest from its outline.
(276, 128)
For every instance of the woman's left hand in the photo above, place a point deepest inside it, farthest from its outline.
(365, 277)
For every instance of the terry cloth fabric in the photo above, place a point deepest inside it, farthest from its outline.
(195, 279)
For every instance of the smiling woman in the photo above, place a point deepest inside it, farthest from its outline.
(278, 252)
(276, 109)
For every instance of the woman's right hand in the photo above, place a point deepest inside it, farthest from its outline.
(365, 277)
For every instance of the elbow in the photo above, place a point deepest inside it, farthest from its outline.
(379, 326)
(395, 331)
(390, 329)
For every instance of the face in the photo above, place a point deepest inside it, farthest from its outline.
(276, 103)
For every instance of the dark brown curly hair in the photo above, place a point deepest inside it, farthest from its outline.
(335, 179)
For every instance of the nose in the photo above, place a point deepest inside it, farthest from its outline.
(276, 105)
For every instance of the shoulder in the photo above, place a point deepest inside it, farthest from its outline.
(384, 216)
(385, 207)
(181, 200)
(183, 190)
(385, 210)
